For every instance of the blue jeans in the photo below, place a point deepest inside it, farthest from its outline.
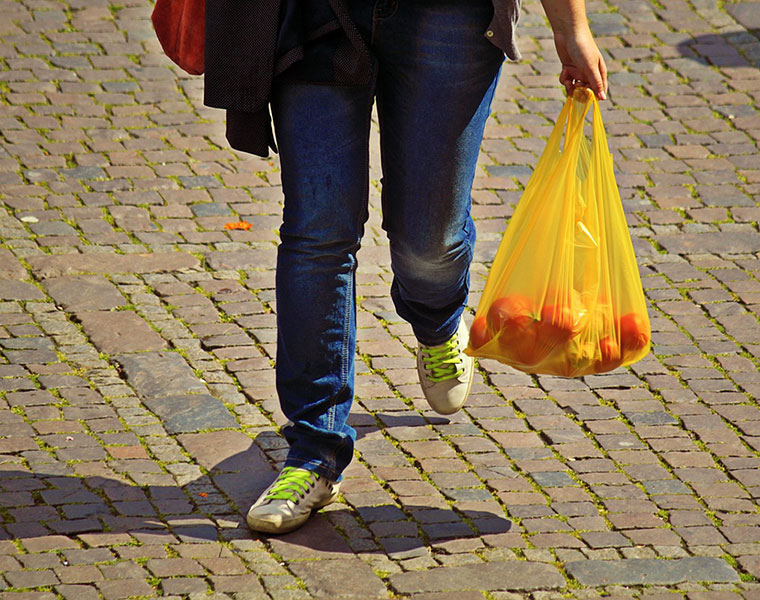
(434, 78)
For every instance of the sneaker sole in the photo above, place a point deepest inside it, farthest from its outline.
(261, 526)
(264, 526)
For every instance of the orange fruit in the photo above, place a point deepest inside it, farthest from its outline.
(513, 312)
(513, 318)
(524, 345)
(610, 355)
(634, 332)
(479, 334)
(556, 326)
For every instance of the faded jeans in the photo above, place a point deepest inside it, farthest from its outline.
(434, 78)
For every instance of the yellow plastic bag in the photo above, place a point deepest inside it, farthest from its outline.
(564, 295)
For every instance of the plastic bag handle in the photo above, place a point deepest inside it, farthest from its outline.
(569, 121)
(570, 124)
(612, 206)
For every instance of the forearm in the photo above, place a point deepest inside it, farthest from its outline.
(582, 63)
(566, 16)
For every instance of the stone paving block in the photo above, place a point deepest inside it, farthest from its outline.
(751, 564)
(199, 533)
(651, 572)
(605, 539)
(119, 331)
(47, 543)
(225, 451)
(174, 567)
(155, 374)
(489, 576)
(19, 290)
(14, 444)
(28, 596)
(459, 596)
(40, 356)
(340, 578)
(184, 586)
(77, 592)
(315, 540)
(70, 264)
(31, 579)
(553, 479)
(745, 13)
(84, 293)
(243, 259)
(118, 589)
(689, 243)
(10, 267)
(683, 125)
(190, 412)
(224, 566)
(210, 209)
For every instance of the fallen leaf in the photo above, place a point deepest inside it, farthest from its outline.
(239, 225)
(203, 495)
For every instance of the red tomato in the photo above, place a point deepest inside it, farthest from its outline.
(556, 325)
(611, 358)
(524, 346)
(479, 334)
(634, 332)
(513, 316)
(512, 312)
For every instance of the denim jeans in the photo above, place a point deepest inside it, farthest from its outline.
(434, 78)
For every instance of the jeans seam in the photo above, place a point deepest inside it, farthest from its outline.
(345, 358)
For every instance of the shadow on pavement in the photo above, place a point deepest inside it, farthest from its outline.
(33, 503)
(724, 50)
(365, 424)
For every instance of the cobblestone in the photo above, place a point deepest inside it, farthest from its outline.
(138, 412)
(649, 571)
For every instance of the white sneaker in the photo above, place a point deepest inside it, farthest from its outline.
(287, 503)
(446, 372)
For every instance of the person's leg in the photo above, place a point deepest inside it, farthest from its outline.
(322, 133)
(436, 80)
(437, 77)
(323, 137)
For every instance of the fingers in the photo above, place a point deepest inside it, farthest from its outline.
(566, 79)
(571, 84)
(598, 86)
(598, 73)
(582, 64)
(572, 77)
(594, 79)
(603, 72)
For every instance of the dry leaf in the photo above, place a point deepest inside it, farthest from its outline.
(239, 225)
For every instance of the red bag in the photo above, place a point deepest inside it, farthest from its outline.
(180, 27)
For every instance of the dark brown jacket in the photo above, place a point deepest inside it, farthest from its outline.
(242, 58)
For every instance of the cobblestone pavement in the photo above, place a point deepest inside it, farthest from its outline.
(138, 415)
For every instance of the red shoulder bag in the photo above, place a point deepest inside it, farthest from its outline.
(180, 27)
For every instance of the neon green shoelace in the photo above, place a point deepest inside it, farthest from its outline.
(442, 361)
(292, 484)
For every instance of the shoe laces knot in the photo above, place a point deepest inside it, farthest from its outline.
(292, 484)
(443, 362)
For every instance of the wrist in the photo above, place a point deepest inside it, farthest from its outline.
(566, 17)
(567, 30)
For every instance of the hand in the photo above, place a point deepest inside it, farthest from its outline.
(582, 63)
